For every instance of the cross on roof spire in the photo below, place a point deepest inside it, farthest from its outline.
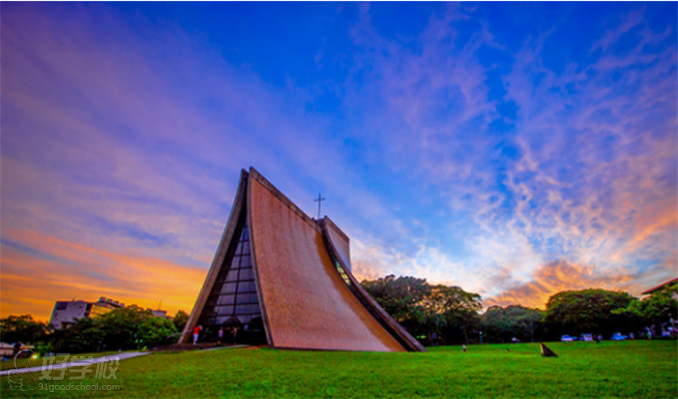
(319, 200)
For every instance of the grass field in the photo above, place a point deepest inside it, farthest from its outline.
(632, 369)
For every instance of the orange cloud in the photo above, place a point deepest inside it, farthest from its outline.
(554, 277)
(365, 271)
(39, 269)
(657, 221)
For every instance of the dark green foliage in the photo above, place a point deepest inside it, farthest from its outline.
(22, 328)
(154, 331)
(589, 311)
(424, 310)
(658, 309)
(86, 335)
(459, 310)
(180, 320)
(502, 324)
(120, 329)
(398, 296)
(401, 297)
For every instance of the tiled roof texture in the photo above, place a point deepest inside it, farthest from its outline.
(307, 304)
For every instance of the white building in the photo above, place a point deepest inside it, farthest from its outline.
(66, 313)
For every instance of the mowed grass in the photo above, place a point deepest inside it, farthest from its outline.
(632, 369)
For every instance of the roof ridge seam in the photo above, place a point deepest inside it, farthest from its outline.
(339, 230)
(283, 198)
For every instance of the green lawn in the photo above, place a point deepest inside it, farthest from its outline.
(633, 369)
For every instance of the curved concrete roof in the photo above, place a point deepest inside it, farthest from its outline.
(307, 304)
(306, 293)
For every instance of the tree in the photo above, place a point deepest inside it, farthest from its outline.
(86, 335)
(660, 309)
(588, 311)
(424, 309)
(401, 297)
(180, 320)
(130, 327)
(458, 310)
(502, 324)
(22, 328)
(120, 326)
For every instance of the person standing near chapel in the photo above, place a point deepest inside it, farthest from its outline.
(196, 334)
(16, 349)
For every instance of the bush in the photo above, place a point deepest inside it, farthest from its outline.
(154, 331)
(122, 328)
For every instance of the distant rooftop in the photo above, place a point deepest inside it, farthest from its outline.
(659, 287)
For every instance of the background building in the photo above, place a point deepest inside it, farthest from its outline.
(660, 286)
(66, 313)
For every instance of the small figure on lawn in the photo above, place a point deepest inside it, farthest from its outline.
(220, 334)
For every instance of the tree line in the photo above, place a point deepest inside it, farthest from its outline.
(449, 315)
(434, 314)
(124, 328)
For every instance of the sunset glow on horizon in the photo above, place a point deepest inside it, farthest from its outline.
(513, 149)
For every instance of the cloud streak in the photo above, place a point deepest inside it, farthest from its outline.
(452, 145)
(37, 267)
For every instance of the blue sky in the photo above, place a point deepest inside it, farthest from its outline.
(513, 149)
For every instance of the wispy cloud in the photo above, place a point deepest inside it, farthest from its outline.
(587, 178)
(38, 269)
(450, 151)
(599, 160)
(613, 35)
(419, 97)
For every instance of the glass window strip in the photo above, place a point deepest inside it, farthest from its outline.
(234, 293)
